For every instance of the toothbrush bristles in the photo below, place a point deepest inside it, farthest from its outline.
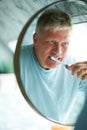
(53, 58)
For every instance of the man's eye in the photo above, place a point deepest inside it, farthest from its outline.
(65, 44)
(52, 42)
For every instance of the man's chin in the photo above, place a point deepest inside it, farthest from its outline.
(52, 67)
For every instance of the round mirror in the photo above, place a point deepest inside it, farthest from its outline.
(51, 64)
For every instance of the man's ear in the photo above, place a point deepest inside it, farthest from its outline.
(35, 39)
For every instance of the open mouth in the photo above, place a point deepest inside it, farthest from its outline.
(58, 60)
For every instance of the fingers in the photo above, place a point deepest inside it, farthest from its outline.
(82, 74)
(84, 77)
(80, 69)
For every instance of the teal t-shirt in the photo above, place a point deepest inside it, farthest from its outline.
(56, 93)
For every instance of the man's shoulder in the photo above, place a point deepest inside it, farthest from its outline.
(26, 51)
(26, 47)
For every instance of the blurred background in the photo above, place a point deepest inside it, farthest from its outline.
(15, 113)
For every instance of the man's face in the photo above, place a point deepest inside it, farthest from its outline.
(51, 43)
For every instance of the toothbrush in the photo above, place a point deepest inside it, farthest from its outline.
(53, 58)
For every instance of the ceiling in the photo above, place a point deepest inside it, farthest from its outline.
(15, 13)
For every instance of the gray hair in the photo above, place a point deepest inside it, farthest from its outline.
(53, 19)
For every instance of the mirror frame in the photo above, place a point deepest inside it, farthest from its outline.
(17, 55)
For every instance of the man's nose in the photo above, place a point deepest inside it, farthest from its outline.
(58, 49)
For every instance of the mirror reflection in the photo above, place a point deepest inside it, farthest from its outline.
(54, 80)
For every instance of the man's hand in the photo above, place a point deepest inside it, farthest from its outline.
(79, 68)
